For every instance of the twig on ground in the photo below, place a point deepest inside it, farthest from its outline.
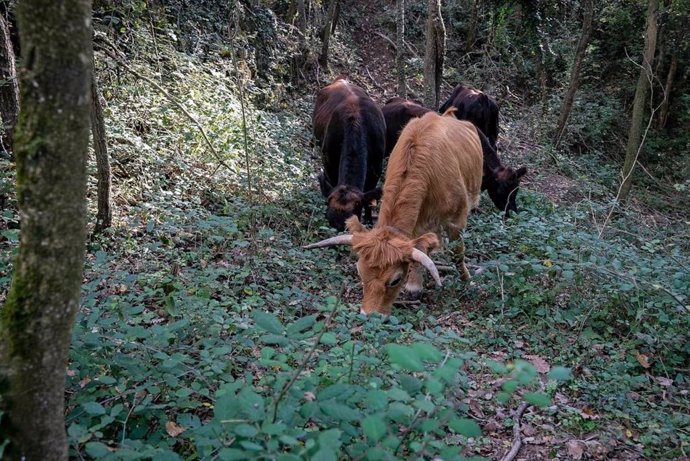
(517, 439)
(376, 84)
(395, 47)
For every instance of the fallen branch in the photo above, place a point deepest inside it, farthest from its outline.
(395, 47)
(517, 439)
(376, 84)
(170, 97)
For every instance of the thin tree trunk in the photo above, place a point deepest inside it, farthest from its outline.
(336, 17)
(435, 50)
(9, 88)
(633, 145)
(104, 217)
(472, 29)
(400, 52)
(51, 146)
(328, 28)
(663, 110)
(576, 70)
(301, 17)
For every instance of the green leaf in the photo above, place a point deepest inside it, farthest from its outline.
(301, 324)
(232, 454)
(465, 426)
(96, 449)
(245, 430)
(537, 398)
(269, 322)
(93, 408)
(427, 352)
(560, 374)
(251, 404)
(328, 339)
(374, 427)
(405, 357)
(339, 411)
(325, 454)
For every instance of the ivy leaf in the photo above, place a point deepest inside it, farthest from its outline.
(268, 322)
(374, 427)
(560, 374)
(93, 408)
(537, 398)
(466, 427)
(405, 357)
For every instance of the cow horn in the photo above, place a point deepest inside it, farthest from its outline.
(345, 239)
(426, 261)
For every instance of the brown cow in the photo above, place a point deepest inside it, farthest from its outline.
(502, 182)
(351, 131)
(433, 180)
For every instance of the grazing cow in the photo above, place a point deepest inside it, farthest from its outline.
(351, 131)
(397, 112)
(433, 180)
(477, 107)
(501, 182)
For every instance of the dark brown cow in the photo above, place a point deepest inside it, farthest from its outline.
(351, 132)
(397, 112)
(477, 107)
(433, 180)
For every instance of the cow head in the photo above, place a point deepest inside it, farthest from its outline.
(504, 188)
(344, 201)
(384, 259)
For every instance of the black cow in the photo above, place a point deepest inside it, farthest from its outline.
(397, 112)
(477, 107)
(350, 129)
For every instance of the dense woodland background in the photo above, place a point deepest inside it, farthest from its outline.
(204, 330)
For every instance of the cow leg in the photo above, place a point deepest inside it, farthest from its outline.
(368, 219)
(458, 250)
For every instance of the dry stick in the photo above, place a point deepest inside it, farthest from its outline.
(376, 84)
(172, 99)
(303, 365)
(517, 439)
(395, 47)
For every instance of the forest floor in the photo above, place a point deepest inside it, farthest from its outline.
(207, 331)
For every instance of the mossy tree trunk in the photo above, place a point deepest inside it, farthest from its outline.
(435, 51)
(9, 88)
(576, 70)
(328, 29)
(400, 51)
(633, 145)
(51, 145)
(104, 217)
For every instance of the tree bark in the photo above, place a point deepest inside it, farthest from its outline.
(668, 87)
(400, 52)
(328, 28)
(9, 88)
(633, 145)
(576, 70)
(104, 217)
(51, 146)
(435, 50)
(472, 29)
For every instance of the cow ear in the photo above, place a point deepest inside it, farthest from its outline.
(374, 194)
(426, 242)
(521, 172)
(353, 225)
(325, 186)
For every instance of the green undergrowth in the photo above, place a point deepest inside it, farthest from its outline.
(207, 332)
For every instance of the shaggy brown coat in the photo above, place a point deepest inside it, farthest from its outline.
(433, 180)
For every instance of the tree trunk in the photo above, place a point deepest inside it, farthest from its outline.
(9, 88)
(301, 17)
(576, 70)
(633, 145)
(435, 50)
(104, 218)
(328, 28)
(51, 146)
(472, 29)
(336, 17)
(400, 52)
(663, 110)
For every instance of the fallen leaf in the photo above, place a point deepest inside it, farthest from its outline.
(84, 382)
(309, 396)
(588, 413)
(71, 373)
(576, 449)
(539, 363)
(664, 381)
(642, 359)
(173, 429)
